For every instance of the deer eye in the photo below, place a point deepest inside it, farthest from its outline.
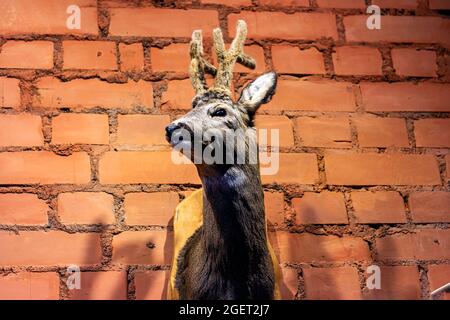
(219, 113)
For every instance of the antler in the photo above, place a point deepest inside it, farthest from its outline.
(225, 59)
(199, 65)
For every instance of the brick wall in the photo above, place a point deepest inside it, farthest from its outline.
(85, 173)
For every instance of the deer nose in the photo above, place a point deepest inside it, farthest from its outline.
(170, 129)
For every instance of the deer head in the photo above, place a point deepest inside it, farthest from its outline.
(213, 108)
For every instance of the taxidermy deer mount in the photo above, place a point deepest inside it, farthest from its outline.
(228, 256)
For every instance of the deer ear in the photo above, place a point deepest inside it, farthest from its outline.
(258, 92)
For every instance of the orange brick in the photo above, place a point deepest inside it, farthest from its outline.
(412, 62)
(396, 4)
(142, 129)
(432, 133)
(143, 247)
(29, 286)
(398, 29)
(438, 276)
(381, 132)
(425, 244)
(147, 22)
(231, 3)
(174, 57)
(332, 283)
(9, 93)
(27, 55)
(39, 248)
(281, 123)
(131, 57)
(378, 207)
(101, 285)
(320, 208)
(91, 93)
(447, 165)
(46, 17)
(298, 168)
(24, 130)
(289, 59)
(324, 132)
(301, 25)
(151, 285)
(354, 60)
(381, 169)
(89, 55)
(397, 283)
(80, 128)
(430, 206)
(439, 4)
(22, 209)
(43, 167)
(297, 248)
(403, 96)
(285, 3)
(179, 95)
(289, 283)
(86, 208)
(127, 167)
(274, 207)
(156, 208)
(313, 95)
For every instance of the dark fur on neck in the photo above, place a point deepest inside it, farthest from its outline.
(228, 257)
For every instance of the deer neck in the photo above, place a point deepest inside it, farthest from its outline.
(233, 213)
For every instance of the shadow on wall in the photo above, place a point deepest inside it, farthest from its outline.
(136, 265)
(307, 257)
(122, 280)
(329, 265)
